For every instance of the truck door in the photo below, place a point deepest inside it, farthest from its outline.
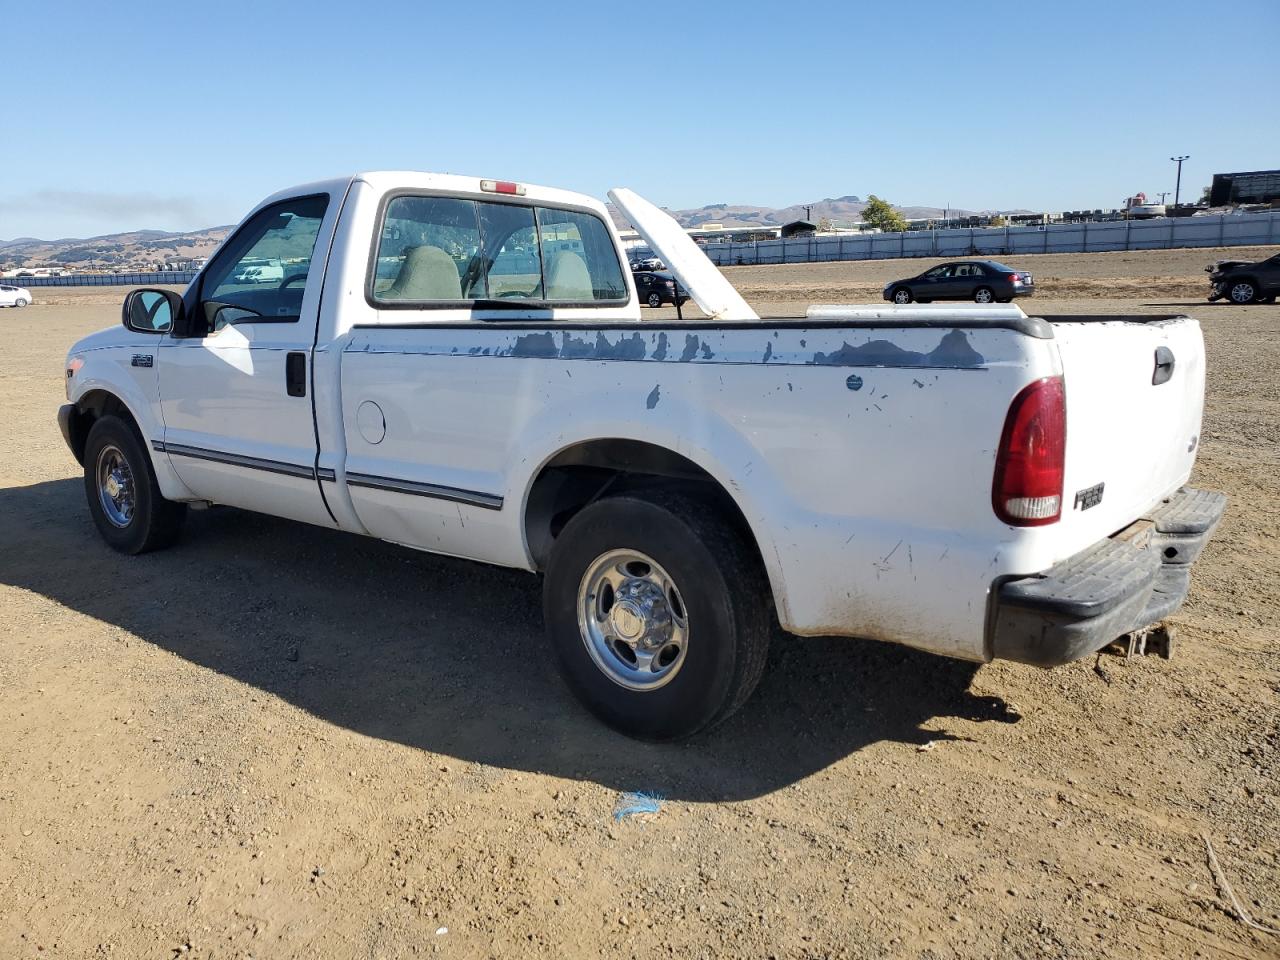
(235, 392)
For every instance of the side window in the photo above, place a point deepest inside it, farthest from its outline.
(938, 273)
(261, 274)
(579, 260)
(426, 244)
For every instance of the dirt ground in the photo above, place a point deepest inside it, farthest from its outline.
(278, 741)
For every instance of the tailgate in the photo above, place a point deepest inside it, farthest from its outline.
(1131, 428)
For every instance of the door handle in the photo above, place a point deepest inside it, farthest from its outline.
(295, 374)
(1164, 366)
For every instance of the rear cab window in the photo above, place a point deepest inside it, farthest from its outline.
(435, 251)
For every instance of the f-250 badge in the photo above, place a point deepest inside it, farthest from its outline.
(142, 360)
(1089, 496)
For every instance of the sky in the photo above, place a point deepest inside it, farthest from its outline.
(176, 116)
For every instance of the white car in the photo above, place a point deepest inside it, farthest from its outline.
(11, 296)
(967, 480)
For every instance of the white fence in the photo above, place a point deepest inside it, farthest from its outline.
(1160, 234)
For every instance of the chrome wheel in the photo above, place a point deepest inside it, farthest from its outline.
(982, 295)
(655, 300)
(633, 620)
(902, 296)
(116, 488)
(1242, 293)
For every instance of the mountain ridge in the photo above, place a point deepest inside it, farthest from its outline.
(147, 249)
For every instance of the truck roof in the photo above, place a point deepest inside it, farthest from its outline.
(385, 181)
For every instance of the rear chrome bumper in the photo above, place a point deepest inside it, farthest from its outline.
(1118, 585)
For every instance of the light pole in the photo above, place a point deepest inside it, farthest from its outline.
(1177, 188)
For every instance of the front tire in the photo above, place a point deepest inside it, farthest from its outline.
(124, 498)
(902, 296)
(658, 610)
(1242, 292)
(655, 300)
(20, 302)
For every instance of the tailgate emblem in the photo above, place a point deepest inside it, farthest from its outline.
(1089, 497)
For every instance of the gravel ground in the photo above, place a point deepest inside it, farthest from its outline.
(279, 741)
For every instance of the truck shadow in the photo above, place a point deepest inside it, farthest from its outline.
(448, 656)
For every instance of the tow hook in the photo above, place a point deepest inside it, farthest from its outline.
(1156, 639)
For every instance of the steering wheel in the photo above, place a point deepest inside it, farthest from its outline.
(294, 279)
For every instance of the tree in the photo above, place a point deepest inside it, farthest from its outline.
(824, 225)
(1204, 195)
(998, 221)
(879, 213)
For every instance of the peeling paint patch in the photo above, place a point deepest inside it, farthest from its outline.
(790, 388)
(690, 347)
(707, 352)
(768, 352)
(535, 345)
(854, 382)
(660, 352)
(952, 351)
(654, 396)
(917, 383)
(627, 348)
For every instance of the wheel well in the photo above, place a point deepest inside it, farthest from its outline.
(581, 474)
(89, 409)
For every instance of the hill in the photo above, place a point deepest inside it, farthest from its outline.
(847, 209)
(149, 249)
(136, 250)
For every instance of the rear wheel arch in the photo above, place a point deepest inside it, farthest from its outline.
(581, 473)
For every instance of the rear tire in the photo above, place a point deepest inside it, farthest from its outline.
(124, 498)
(984, 295)
(655, 300)
(902, 296)
(688, 585)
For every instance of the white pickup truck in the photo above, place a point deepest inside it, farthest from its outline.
(460, 366)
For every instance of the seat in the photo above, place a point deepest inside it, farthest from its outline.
(568, 278)
(427, 273)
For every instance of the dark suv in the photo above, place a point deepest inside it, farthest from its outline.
(982, 281)
(655, 289)
(1245, 281)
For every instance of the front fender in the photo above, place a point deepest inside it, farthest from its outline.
(110, 372)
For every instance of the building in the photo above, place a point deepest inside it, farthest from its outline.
(1256, 186)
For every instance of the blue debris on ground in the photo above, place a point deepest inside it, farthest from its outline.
(642, 807)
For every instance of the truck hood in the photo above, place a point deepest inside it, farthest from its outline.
(714, 295)
(110, 337)
(1222, 266)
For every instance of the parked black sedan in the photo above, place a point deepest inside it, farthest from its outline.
(982, 281)
(655, 289)
(1245, 281)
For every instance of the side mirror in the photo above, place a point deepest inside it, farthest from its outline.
(152, 311)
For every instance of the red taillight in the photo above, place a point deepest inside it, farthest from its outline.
(502, 186)
(1027, 491)
(1014, 277)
